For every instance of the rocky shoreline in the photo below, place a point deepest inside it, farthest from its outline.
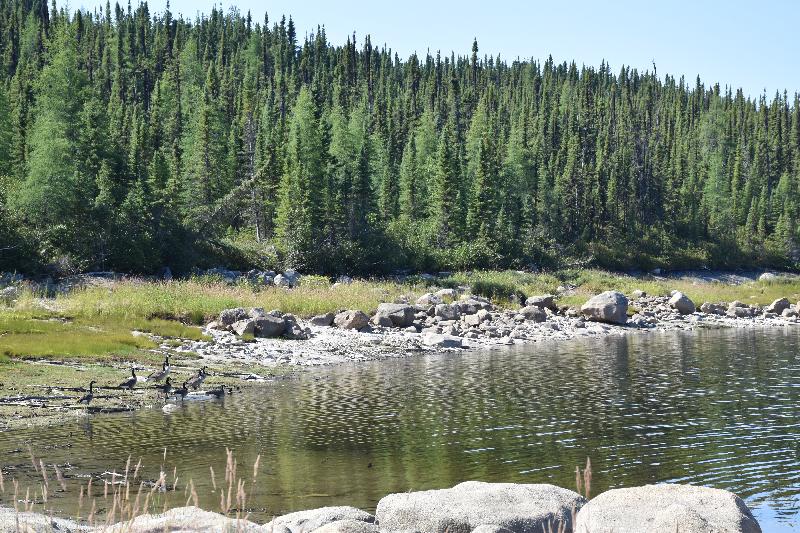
(451, 321)
(469, 507)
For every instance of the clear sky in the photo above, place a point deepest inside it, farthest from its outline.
(753, 45)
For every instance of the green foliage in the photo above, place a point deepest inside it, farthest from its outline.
(131, 142)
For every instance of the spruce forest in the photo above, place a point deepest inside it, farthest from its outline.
(132, 140)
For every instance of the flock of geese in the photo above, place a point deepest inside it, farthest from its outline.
(166, 387)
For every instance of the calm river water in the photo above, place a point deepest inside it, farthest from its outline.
(716, 408)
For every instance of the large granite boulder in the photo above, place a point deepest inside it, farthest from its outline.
(313, 519)
(191, 519)
(609, 306)
(348, 526)
(682, 303)
(491, 528)
(11, 520)
(516, 507)
(401, 315)
(351, 320)
(666, 509)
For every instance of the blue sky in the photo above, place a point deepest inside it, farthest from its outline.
(753, 45)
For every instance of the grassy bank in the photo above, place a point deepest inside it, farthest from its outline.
(97, 323)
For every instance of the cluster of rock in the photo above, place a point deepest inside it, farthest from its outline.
(447, 319)
(442, 318)
(256, 322)
(288, 279)
(470, 507)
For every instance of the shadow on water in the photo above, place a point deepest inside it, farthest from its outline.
(717, 408)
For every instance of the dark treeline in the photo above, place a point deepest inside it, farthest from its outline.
(130, 141)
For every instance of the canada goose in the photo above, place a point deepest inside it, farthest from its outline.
(198, 380)
(87, 399)
(158, 375)
(130, 382)
(219, 393)
(166, 388)
(182, 391)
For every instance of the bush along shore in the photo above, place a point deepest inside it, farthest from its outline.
(249, 327)
(469, 507)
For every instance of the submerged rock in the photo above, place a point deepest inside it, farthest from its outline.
(443, 341)
(666, 509)
(516, 507)
(609, 306)
(682, 303)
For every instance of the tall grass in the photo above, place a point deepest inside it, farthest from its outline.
(128, 496)
(196, 301)
(586, 283)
